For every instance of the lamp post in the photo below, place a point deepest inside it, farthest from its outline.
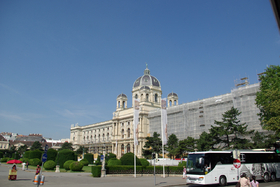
(103, 170)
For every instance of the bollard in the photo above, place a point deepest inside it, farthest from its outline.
(42, 180)
(36, 179)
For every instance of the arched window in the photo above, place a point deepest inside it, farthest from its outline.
(123, 104)
(156, 98)
(175, 102)
(107, 136)
(170, 103)
(99, 138)
(128, 148)
(103, 138)
(122, 149)
(136, 96)
(73, 139)
(147, 97)
(119, 104)
(122, 133)
(128, 132)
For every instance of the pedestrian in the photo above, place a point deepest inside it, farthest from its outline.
(38, 170)
(27, 165)
(14, 168)
(184, 172)
(254, 183)
(244, 181)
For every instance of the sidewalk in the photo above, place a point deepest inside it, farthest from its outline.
(68, 179)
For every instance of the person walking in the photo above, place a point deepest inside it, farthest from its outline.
(254, 183)
(244, 181)
(38, 170)
(27, 165)
(184, 172)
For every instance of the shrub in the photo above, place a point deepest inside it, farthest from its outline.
(4, 159)
(84, 162)
(184, 163)
(16, 156)
(66, 164)
(96, 171)
(35, 154)
(65, 155)
(49, 165)
(108, 156)
(51, 154)
(76, 166)
(27, 154)
(1, 154)
(128, 159)
(114, 162)
(97, 162)
(35, 162)
(144, 162)
(89, 157)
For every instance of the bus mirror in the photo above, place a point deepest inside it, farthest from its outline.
(200, 160)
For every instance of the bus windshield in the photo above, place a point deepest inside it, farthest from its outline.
(195, 164)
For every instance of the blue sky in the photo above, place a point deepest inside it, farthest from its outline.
(65, 62)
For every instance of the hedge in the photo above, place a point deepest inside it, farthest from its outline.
(184, 163)
(4, 159)
(84, 161)
(51, 153)
(26, 154)
(96, 171)
(65, 155)
(35, 162)
(76, 166)
(144, 162)
(142, 170)
(128, 159)
(114, 162)
(35, 154)
(89, 157)
(66, 164)
(49, 165)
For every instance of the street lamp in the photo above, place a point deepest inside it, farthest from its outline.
(103, 170)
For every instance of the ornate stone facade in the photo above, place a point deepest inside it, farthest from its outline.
(116, 135)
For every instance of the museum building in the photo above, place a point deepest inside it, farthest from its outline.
(187, 119)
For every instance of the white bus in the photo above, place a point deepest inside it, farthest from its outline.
(216, 167)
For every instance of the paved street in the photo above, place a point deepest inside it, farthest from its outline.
(24, 179)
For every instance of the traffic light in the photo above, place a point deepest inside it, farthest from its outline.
(277, 147)
(153, 155)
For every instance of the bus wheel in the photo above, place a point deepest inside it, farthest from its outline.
(266, 177)
(223, 181)
(273, 177)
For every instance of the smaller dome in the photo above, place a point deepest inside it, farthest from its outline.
(145, 88)
(122, 95)
(172, 94)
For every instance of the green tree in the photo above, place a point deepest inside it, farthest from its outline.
(186, 145)
(268, 99)
(206, 142)
(82, 150)
(66, 145)
(12, 149)
(230, 131)
(36, 145)
(22, 149)
(152, 145)
(172, 145)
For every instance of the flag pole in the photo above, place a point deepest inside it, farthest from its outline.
(163, 121)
